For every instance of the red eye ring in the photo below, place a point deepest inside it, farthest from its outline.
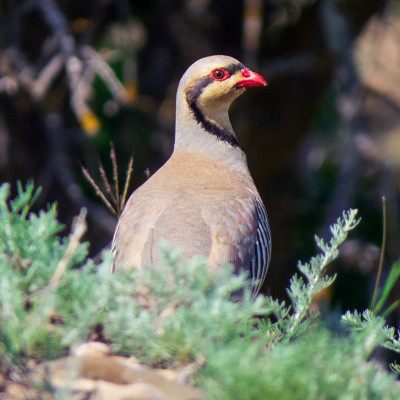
(219, 74)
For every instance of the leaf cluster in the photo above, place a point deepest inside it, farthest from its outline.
(30, 250)
(292, 320)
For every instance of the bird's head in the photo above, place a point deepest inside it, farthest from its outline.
(217, 79)
(204, 96)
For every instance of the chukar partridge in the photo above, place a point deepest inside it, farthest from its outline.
(203, 199)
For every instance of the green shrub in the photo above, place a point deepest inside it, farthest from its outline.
(177, 313)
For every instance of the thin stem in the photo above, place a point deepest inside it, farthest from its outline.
(378, 276)
(98, 191)
(106, 184)
(128, 178)
(78, 230)
(113, 157)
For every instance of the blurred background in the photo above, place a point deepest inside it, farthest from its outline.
(323, 137)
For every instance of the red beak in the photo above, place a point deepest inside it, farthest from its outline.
(251, 79)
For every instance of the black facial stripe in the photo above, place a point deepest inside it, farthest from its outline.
(234, 68)
(192, 94)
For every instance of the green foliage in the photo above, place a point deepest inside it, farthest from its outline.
(30, 251)
(177, 313)
(383, 294)
(374, 332)
(293, 320)
(178, 309)
(317, 365)
(29, 246)
(148, 312)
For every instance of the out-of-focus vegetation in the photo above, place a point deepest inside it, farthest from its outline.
(323, 137)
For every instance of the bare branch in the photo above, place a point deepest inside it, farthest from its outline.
(106, 183)
(106, 73)
(98, 191)
(127, 181)
(115, 175)
(47, 76)
(78, 230)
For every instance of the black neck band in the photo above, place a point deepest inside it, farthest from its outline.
(192, 94)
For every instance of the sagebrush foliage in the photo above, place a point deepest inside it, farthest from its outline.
(294, 319)
(29, 253)
(177, 313)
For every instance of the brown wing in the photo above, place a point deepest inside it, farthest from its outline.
(241, 236)
(262, 248)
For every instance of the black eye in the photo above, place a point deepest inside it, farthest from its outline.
(219, 74)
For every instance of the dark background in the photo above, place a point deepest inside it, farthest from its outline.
(323, 137)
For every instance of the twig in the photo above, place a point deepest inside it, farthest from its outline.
(106, 183)
(115, 175)
(106, 73)
(78, 230)
(53, 17)
(9, 85)
(128, 178)
(378, 276)
(47, 77)
(113, 192)
(98, 191)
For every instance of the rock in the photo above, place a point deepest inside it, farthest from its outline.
(98, 375)
(91, 348)
(135, 391)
